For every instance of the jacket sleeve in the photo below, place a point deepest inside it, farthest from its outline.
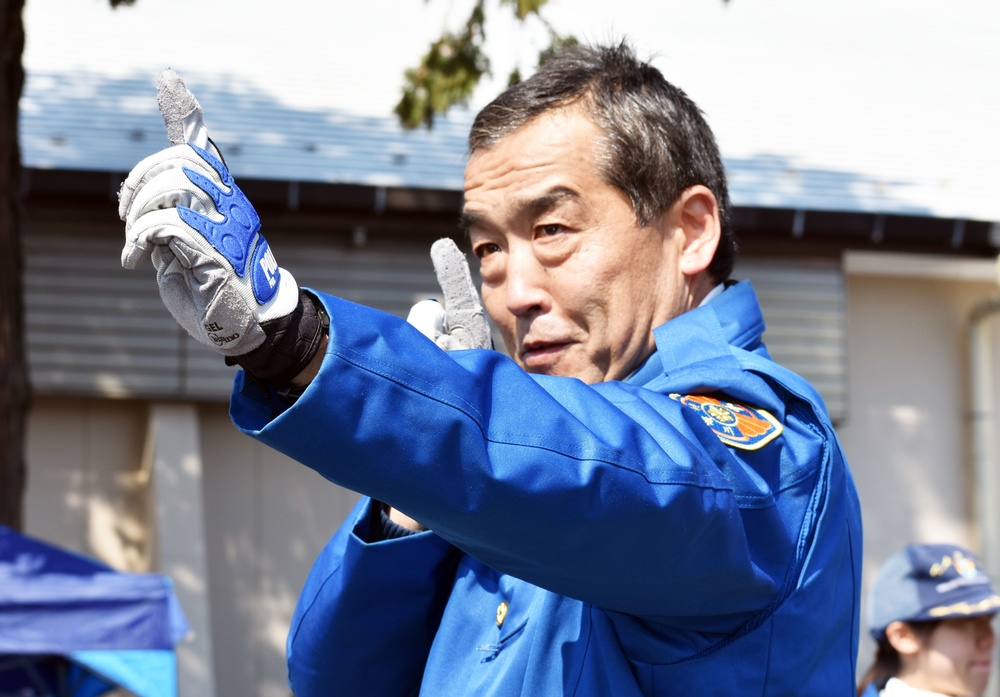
(610, 494)
(368, 612)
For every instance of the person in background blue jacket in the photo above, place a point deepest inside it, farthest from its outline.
(637, 501)
(931, 612)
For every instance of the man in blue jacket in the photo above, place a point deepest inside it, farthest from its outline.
(638, 501)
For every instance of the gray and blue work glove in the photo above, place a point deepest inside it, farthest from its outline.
(215, 271)
(461, 323)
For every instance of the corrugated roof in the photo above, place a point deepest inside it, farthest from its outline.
(82, 120)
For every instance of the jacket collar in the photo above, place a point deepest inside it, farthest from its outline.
(707, 333)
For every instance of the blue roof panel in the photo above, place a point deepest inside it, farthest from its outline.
(88, 121)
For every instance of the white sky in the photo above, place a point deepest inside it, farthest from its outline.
(888, 87)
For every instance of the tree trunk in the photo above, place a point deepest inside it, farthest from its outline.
(14, 390)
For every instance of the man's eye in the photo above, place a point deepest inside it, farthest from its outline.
(485, 249)
(553, 229)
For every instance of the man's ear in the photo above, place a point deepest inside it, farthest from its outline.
(902, 638)
(697, 214)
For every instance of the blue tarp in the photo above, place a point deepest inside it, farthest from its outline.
(74, 627)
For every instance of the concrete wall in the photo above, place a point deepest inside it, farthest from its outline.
(907, 434)
(265, 520)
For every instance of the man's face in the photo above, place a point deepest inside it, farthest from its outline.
(574, 285)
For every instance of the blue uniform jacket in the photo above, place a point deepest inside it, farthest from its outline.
(692, 530)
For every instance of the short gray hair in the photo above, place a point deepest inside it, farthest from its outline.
(657, 141)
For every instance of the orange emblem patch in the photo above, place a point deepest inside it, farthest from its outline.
(736, 425)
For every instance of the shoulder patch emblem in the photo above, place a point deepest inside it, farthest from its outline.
(736, 425)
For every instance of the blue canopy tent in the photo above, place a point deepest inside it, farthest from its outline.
(74, 627)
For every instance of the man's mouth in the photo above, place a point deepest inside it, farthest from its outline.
(541, 354)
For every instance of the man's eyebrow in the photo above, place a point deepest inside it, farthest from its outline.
(549, 200)
(534, 207)
(466, 221)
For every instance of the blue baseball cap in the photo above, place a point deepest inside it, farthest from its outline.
(930, 582)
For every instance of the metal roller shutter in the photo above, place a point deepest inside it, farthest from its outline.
(95, 329)
(804, 309)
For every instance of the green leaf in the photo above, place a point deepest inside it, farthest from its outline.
(447, 75)
(455, 63)
(523, 8)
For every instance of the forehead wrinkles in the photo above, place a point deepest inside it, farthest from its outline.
(538, 166)
(566, 128)
(497, 191)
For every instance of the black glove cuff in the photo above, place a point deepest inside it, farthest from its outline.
(291, 343)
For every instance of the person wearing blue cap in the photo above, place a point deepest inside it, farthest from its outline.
(931, 612)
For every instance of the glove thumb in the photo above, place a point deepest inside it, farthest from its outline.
(465, 317)
(182, 114)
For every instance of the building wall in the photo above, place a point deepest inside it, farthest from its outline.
(85, 486)
(266, 519)
(907, 437)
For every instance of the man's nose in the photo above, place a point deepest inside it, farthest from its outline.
(527, 283)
